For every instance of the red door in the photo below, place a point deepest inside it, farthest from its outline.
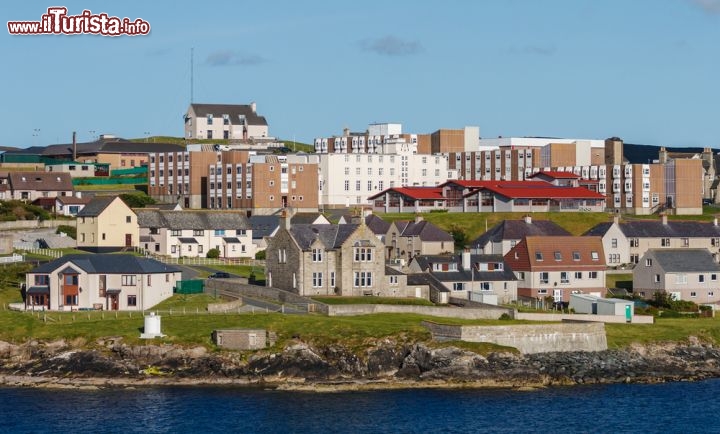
(128, 240)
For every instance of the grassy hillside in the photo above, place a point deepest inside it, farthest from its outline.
(295, 146)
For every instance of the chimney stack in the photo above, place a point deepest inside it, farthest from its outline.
(418, 218)
(74, 143)
(253, 107)
(466, 259)
(284, 220)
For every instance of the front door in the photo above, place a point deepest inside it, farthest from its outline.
(113, 301)
(128, 240)
(70, 290)
(557, 295)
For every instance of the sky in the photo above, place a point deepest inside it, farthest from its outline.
(646, 71)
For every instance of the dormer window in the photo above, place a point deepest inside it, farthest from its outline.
(538, 256)
(594, 255)
(576, 256)
(558, 256)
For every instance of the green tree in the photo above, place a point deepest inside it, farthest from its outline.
(137, 200)
(213, 253)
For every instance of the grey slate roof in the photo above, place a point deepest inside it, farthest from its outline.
(685, 260)
(306, 218)
(425, 230)
(599, 229)
(332, 236)
(390, 271)
(517, 230)
(263, 225)
(179, 220)
(231, 240)
(377, 224)
(673, 228)
(96, 206)
(188, 240)
(426, 279)
(108, 263)
(109, 145)
(463, 275)
(232, 110)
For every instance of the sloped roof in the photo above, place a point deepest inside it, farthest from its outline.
(414, 192)
(112, 145)
(306, 218)
(377, 224)
(539, 253)
(685, 260)
(108, 263)
(517, 230)
(180, 220)
(673, 228)
(96, 206)
(535, 190)
(263, 225)
(41, 181)
(425, 230)
(332, 236)
(72, 200)
(556, 174)
(599, 229)
(234, 111)
(426, 279)
(466, 275)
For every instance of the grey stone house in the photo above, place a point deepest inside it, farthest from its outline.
(325, 259)
(506, 234)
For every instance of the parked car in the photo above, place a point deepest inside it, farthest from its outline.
(219, 275)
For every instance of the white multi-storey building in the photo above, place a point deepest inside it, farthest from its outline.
(224, 121)
(348, 179)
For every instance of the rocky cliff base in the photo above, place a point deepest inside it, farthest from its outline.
(382, 364)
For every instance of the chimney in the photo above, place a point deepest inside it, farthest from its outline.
(616, 219)
(528, 219)
(74, 147)
(418, 218)
(253, 107)
(284, 220)
(664, 218)
(466, 259)
(346, 131)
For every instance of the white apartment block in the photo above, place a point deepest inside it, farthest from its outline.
(348, 179)
(533, 142)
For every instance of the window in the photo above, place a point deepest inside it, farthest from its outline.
(686, 242)
(542, 291)
(317, 278)
(332, 279)
(538, 256)
(713, 277)
(132, 300)
(594, 255)
(71, 300)
(317, 255)
(369, 185)
(576, 256)
(648, 262)
(128, 280)
(393, 280)
(128, 219)
(693, 294)
(613, 243)
(209, 119)
(219, 232)
(458, 286)
(593, 275)
(103, 236)
(665, 242)
(175, 232)
(701, 278)
(42, 280)
(362, 279)
(363, 254)
(681, 279)
(149, 280)
(357, 185)
(198, 232)
(578, 275)
(634, 242)
(347, 185)
(282, 256)
(558, 256)
(564, 277)
(656, 278)
(544, 277)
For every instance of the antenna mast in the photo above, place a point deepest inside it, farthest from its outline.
(192, 49)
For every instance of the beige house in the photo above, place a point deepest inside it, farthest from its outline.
(407, 239)
(106, 224)
(330, 259)
(35, 185)
(102, 281)
(627, 241)
(686, 274)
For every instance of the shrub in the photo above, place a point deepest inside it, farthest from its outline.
(505, 317)
(71, 231)
(213, 253)
(136, 200)
(260, 256)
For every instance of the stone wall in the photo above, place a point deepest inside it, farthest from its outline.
(34, 224)
(224, 307)
(255, 291)
(618, 319)
(529, 339)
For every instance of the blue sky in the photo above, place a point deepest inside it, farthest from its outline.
(644, 70)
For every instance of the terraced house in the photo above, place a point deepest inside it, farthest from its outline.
(329, 259)
(194, 233)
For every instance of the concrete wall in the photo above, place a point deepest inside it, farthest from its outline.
(529, 339)
(240, 339)
(224, 307)
(636, 319)
(34, 224)
(446, 312)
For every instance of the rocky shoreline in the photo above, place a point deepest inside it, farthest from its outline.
(383, 364)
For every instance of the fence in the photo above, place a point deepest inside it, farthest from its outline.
(210, 261)
(109, 181)
(45, 252)
(130, 171)
(11, 259)
(189, 286)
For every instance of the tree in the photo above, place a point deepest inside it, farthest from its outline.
(459, 236)
(136, 200)
(213, 253)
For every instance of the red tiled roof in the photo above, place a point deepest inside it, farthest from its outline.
(478, 184)
(414, 192)
(557, 174)
(542, 192)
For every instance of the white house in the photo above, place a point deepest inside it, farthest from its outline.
(100, 281)
(193, 233)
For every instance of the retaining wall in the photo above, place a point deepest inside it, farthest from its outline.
(490, 312)
(224, 307)
(34, 224)
(528, 339)
(636, 319)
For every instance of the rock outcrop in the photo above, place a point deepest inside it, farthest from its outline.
(382, 362)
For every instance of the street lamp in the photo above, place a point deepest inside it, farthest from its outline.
(36, 135)
(92, 134)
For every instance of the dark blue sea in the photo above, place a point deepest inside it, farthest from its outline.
(659, 408)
